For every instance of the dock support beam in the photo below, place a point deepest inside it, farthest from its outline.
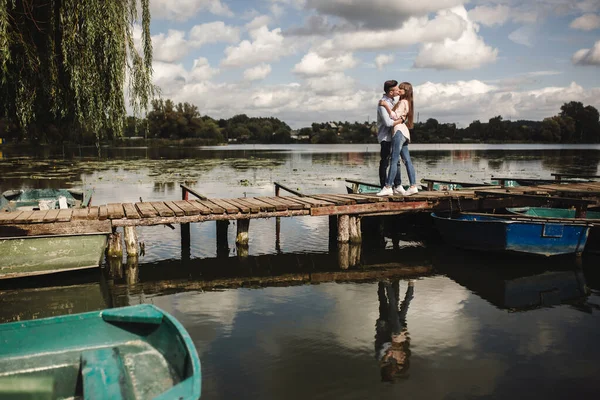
(115, 246)
(355, 230)
(343, 231)
(222, 242)
(131, 241)
(242, 231)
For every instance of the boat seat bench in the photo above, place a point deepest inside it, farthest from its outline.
(104, 375)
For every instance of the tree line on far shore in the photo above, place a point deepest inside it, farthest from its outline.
(168, 121)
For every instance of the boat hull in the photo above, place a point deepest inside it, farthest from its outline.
(487, 233)
(27, 256)
(134, 352)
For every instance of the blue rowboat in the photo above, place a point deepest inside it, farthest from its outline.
(138, 352)
(593, 242)
(517, 235)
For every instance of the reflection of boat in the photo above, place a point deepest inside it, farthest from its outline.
(528, 286)
(593, 242)
(122, 353)
(28, 248)
(523, 235)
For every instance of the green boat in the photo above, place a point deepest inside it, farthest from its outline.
(44, 199)
(28, 249)
(138, 352)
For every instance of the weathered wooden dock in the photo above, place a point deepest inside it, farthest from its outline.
(345, 209)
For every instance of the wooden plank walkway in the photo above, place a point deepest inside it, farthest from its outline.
(187, 211)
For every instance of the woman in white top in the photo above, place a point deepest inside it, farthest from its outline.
(403, 110)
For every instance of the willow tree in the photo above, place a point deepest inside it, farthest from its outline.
(70, 63)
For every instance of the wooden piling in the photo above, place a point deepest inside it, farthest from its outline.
(355, 234)
(222, 241)
(131, 241)
(242, 231)
(343, 255)
(115, 246)
(132, 270)
(343, 231)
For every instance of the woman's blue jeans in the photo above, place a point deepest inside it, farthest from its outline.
(400, 150)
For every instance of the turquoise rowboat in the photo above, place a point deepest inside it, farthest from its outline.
(138, 352)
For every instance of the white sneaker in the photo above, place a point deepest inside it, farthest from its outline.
(399, 190)
(411, 190)
(386, 191)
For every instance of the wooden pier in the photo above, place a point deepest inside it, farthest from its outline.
(345, 210)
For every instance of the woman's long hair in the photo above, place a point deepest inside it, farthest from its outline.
(408, 96)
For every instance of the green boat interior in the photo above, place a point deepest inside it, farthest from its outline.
(120, 355)
(44, 199)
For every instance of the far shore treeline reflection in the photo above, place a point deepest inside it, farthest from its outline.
(168, 122)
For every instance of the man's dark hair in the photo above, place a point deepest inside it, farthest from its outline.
(388, 85)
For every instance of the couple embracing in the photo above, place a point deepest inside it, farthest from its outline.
(393, 124)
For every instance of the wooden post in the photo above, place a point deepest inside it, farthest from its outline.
(222, 242)
(242, 250)
(115, 247)
(185, 242)
(333, 231)
(354, 254)
(343, 255)
(355, 234)
(132, 270)
(131, 241)
(242, 231)
(115, 267)
(343, 224)
(278, 235)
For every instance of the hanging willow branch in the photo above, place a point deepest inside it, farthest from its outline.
(66, 62)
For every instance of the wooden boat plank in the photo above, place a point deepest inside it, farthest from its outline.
(278, 205)
(178, 211)
(242, 208)
(130, 211)
(80, 213)
(263, 206)
(37, 216)
(229, 207)
(291, 205)
(8, 217)
(187, 208)
(214, 209)
(64, 215)
(51, 216)
(364, 198)
(115, 211)
(253, 208)
(202, 208)
(338, 201)
(102, 212)
(162, 209)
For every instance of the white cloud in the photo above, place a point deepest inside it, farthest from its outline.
(379, 13)
(523, 35)
(258, 22)
(446, 25)
(469, 51)
(183, 10)
(313, 64)
(587, 22)
(170, 47)
(588, 56)
(213, 32)
(266, 46)
(490, 16)
(333, 84)
(257, 73)
(383, 59)
(202, 71)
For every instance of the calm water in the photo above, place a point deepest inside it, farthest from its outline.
(288, 322)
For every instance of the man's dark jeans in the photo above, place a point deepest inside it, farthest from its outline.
(385, 154)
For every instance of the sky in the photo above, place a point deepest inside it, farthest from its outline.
(306, 61)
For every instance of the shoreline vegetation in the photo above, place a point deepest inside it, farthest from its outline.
(170, 124)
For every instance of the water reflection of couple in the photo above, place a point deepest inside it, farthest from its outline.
(393, 123)
(391, 335)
